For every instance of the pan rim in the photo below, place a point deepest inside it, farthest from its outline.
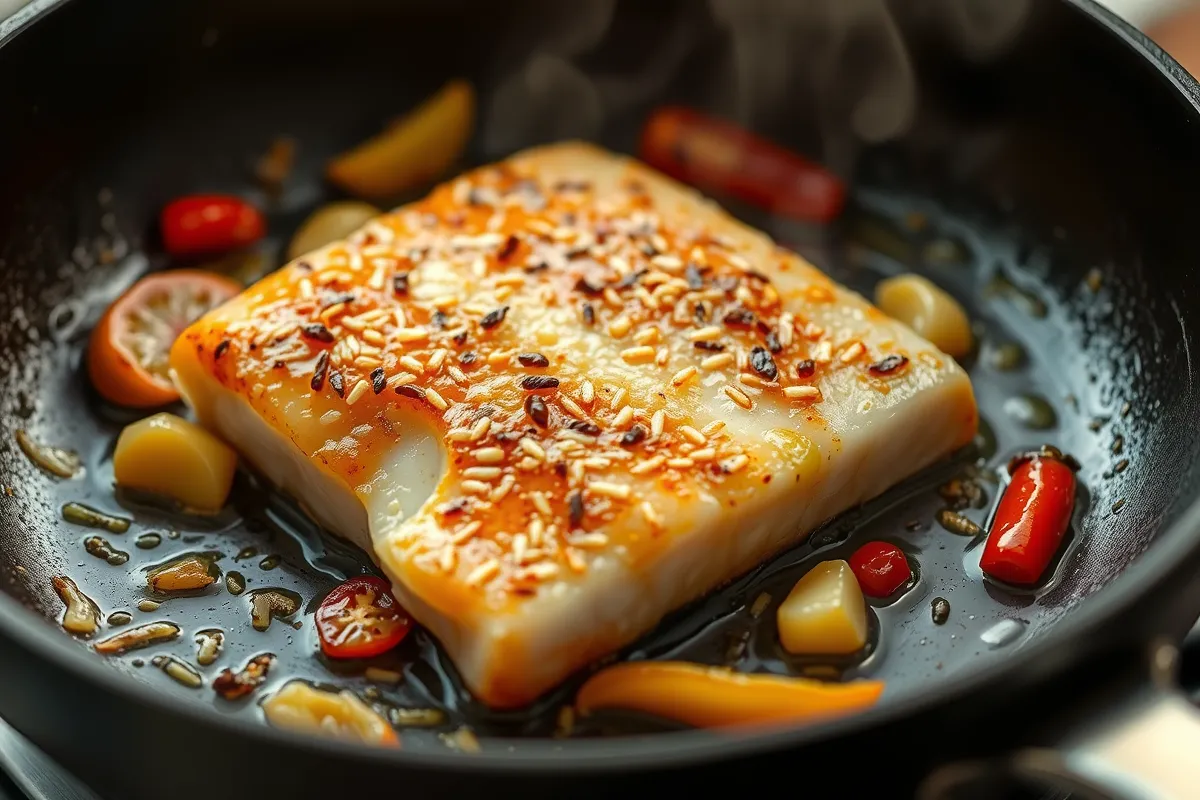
(668, 750)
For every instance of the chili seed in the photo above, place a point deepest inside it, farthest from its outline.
(537, 410)
(493, 317)
(536, 382)
(533, 360)
(940, 610)
(318, 332)
(763, 364)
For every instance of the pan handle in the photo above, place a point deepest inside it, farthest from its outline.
(1143, 747)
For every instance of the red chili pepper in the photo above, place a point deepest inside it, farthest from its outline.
(360, 619)
(210, 223)
(716, 155)
(1031, 521)
(881, 568)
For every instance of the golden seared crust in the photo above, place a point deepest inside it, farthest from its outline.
(584, 335)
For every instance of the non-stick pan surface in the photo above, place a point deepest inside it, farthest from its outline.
(1046, 185)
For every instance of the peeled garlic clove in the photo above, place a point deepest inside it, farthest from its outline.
(300, 707)
(169, 456)
(825, 613)
(930, 312)
(82, 615)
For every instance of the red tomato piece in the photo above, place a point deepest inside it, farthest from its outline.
(713, 154)
(1031, 521)
(360, 619)
(881, 568)
(210, 223)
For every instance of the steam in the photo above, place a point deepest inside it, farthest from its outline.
(840, 65)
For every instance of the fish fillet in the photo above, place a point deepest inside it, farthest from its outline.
(562, 396)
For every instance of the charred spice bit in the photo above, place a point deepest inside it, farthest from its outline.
(508, 248)
(493, 318)
(695, 280)
(714, 347)
(320, 371)
(584, 427)
(634, 435)
(235, 685)
(589, 314)
(575, 508)
(318, 332)
(337, 383)
(962, 493)
(587, 287)
(533, 360)
(630, 279)
(806, 368)
(739, 318)
(378, 380)
(221, 348)
(400, 283)
(957, 523)
(439, 320)
(408, 390)
(940, 609)
(763, 364)
(468, 358)
(535, 383)
(888, 365)
(773, 343)
(537, 410)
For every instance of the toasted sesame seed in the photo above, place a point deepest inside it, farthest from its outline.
(587, 393)
(657, 422)
(786, 328)
(638, 355)
(331, 416)
(575, 559)
(467, 531)
(488, 455)
(481, 429)
(623, 417)
(707, 334)
(536, 529)
(459, 435)
(475, 487)
(436, 359)
(540, 503)
(647, 335)
(691, 434)
(543, 570)
(456, 374)
(736, 464)
(357, 392)
(405, 335)
(680, 463)
(411, 364)
(590, 541)
(707, 454)
(852, 352)
(482, 473)
(611, 297)
(620, 327)
(571, 407)
(500, 492)
(483, 573)
(649, 465)
(684, 376)
(652, 516)
(713, 427)
(436, 400)
(500, 358)
(447, 558)
(753, 381)
(823, 353)
(738, 396)
(801, 392)
(401, 379)
(669, 263)
(618, 398)
(532, 448)
(718, 361)
(306, 288)
(616, 491)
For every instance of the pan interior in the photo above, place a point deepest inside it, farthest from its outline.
(1063, 233)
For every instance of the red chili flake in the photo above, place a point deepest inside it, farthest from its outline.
(222, 347)
(739, 318)
(400, 283)
(234, 685)
(322, 369)
(378, 381)
(713, 347)
(806, 368)
(695, 280)
(575, 508)
(509, 247)
(408, 390)
(317, 331)
(589, 314)
(888, 365)
(338, 383)
(493, 317)
(584, 427)
(537, 410)
(763, 364)
(533, 360)
(633, 436)
(536, 382)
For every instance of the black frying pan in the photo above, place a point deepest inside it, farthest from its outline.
(1066, 150)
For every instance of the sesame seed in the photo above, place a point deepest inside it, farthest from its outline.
(482, 473)
(718, 361)
(647, 335)
(657, 422)
(532, 448)
(618, 398)
(401, 379)
(620, 327)
(306, 288)
(684, 376)
(447, 558)
(587, 393)
(500, 492)
(411, 364)
(542, 571)
(669, 263)
(484, 572)
(616, 491)
(575, 559)
(475, 487)
(786, 329)
(649, 465)
(652, 516)
(638, 355)
(467, 531)
(456, 374)
(691, 434)
(823, 353)
(357, 392)
(738, 396)
(436, 400)
(680, 463)
(707, 454)
(481, 429)
(488, 455)
(458, 435)
(623, 417)
(330, 417)
(536, 529)
(590, 541)
(707, 334)
(736, 464)
(405, 335)
(801, 392)
(540, 503)
(852, 352)
(499, 358)
(611, 297)
(753, 381)
(436, 359)
(713, 427)
(571, 407)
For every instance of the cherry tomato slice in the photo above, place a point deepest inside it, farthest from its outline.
(128, 352)
(360, 619)
(881, 568)
(209, 223)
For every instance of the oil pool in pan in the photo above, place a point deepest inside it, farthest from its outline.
(949, 619)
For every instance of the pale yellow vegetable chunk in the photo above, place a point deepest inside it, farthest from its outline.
(414, 151)
(300, 707)
(929, 311)
(330, 223)
(825, 613)
(169, 456)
